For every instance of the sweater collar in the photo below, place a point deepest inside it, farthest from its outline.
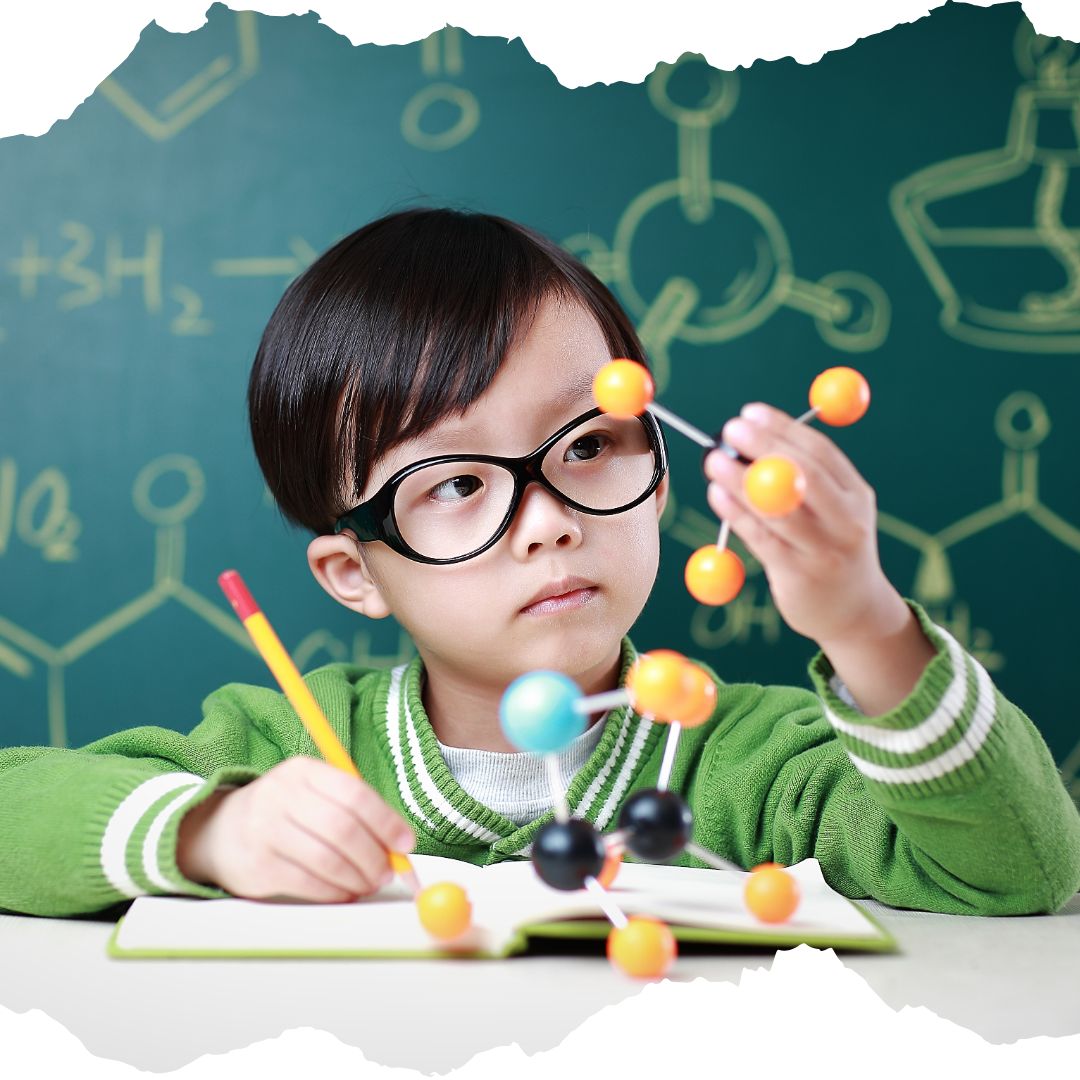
(440, 807)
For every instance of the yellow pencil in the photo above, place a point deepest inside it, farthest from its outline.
(300, 697)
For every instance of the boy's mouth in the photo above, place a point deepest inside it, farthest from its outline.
(562, 595)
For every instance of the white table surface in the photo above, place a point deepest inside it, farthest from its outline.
(1006, 979)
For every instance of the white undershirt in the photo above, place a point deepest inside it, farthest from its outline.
(516, 785)
(839, 688)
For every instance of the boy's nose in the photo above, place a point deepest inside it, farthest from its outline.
(542, 523)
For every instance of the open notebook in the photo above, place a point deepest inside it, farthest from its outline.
(510, 905)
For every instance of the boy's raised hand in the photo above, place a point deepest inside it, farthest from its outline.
(304, 830)
(822, 561)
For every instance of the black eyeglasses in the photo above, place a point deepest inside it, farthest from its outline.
(451, 508)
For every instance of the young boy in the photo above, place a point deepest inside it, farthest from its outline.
(397, 403)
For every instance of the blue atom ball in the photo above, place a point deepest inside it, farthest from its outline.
(537, 712)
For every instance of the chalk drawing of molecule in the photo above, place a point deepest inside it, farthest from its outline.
(19, 647)
(850, 310)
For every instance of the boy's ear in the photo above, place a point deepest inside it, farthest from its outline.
(661, 496)
(339, 568)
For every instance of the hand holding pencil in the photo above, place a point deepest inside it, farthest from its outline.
(306, 829)
(300, 697)
(303, 830)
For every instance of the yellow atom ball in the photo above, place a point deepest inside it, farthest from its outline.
(644, 949)
(714, 577)
(775, 486)
(444, 910)
(700, 703)
(659, 682)
(771, 894)
(841, 396)
(623, 388)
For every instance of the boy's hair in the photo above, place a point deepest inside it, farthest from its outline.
(401, 324)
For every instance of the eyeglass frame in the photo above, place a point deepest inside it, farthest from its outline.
(374, 519)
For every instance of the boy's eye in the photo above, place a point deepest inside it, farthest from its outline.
(457, 487)
(585, 448)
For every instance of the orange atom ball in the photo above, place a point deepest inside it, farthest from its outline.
(714, 577)
(841, 396)
(700, 703)
(775, 486)
(671, 653)
(645, 948)
(771, 894)
(444, 910)
(623, 388)
(766, 866)
(610, 870)
(660, 682)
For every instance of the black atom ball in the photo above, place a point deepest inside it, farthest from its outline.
(566, 853)
(658, 824)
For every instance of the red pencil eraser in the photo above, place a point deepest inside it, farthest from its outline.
(232, 585)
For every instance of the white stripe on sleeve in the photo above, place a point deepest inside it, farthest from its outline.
(958, 754)
(151, 867)
(125, 819)
(937, 724)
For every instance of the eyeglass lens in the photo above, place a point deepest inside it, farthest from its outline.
(446, 511)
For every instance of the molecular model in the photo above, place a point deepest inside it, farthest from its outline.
(542, 712)
(775, 485)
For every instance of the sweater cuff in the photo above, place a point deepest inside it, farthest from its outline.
(138, 849)
(942, 737)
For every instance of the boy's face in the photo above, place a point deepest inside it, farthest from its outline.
(560, 588)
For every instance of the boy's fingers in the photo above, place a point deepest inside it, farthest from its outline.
(320, 857)
(334, 825)
(829, 507)
(365, 805)
(758, 425)
(816, 443)
(277, 866)
(762, 542)
(282, 837)
(352, 793)
(801, 531)
(344, 837)
(297, 882)
(384, 823)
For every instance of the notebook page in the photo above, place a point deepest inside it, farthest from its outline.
(503, 897)
(680, 895)
(712, 899)
(383, 923)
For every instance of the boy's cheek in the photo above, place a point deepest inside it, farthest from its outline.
(634, 549)
(434, 606)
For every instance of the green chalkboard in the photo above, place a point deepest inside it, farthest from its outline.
(905, 206)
